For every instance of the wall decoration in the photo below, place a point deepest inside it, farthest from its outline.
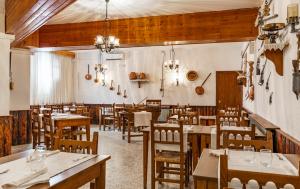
(257, 70)
(264, 13)
(251, 86)
(271, 98)
(296, 74)
(268, 82)
(88, 76)
(125, 94)
(133, 76)
(162, 80)
(11, 83)
(293, 16)
(111, 85)
(262, 79)
(200, 90)
(119, 90)
(192, 75)
(272, 30)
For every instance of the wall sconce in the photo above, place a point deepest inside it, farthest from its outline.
(293, 16)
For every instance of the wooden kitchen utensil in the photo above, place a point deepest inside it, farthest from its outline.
(111, 85)
(267, 84)
(88, 76)
(119, 90)
(251, 88)
(200, 90)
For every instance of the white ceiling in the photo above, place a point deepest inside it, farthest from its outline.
(93, 10)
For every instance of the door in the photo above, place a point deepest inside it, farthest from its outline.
(228, 92)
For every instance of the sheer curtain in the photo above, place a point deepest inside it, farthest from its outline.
(51, 79)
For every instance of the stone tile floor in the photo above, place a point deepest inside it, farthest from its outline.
(125, 168)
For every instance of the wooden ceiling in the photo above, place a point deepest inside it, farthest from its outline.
(94, 10)
(26, 18)
(221, 26)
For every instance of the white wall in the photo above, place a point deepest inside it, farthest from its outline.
(20, 95)
(285, 109)
(4, 73)
(204, 58)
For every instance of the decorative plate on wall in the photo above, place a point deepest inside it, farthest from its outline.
(192, 75)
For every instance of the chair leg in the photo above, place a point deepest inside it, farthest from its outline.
(34, 139)
(153, 175)
(129, 130)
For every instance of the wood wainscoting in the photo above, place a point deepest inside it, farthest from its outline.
(21, 128)
(287, 144)
(5, 135)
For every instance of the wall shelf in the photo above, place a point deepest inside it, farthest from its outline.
(140, 81)
(274, 52)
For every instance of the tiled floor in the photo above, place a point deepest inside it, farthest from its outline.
(125, 168)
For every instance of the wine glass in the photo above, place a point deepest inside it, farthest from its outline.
(266, 157)
(249, 153)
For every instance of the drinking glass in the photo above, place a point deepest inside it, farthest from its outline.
(249, 154)
(266, 157)
(37, 158)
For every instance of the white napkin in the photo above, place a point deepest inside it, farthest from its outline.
(25, 181)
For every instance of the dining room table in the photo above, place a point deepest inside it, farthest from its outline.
(200, 139)
(60, 170)
(63, 120)
(206, 173)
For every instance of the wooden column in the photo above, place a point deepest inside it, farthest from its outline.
(5, 135)
(21, 128)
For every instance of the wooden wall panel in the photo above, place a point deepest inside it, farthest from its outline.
(21, 128)
(5, 135)
(222, 26)
(26, 16)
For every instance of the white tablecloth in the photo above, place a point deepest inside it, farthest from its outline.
(55, 164)
(142, 118)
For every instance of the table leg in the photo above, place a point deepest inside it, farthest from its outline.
(100, 180)
(195, 150)
(88, 132)
(145, 157)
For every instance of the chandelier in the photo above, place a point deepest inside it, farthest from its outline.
(172, 63)
(108, 42)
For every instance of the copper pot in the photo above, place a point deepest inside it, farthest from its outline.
(142, 76)
(132, 76)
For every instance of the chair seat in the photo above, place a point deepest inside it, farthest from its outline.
(167, 156)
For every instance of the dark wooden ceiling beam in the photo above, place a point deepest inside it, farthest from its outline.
(205, 27)
(26, 16)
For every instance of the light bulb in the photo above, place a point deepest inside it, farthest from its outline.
(99, 39)
(111, 40)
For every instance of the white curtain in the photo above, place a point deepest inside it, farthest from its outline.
(51, 79)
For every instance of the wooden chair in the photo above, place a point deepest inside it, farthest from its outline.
(226, 176)
(161, 159)
(131, 130)
(189, 118)
(57, 108)
(37, 131)
(236, 134)
(48, 131)
(75, 146)
(108, 116)
(80, 131)
(257, 144)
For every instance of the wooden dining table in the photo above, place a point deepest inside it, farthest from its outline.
(60, 121)
(200, 137)
(75, 177)
(73, 121)
(206, 173)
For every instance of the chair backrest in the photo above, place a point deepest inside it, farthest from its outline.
(178, 109)
(234, 143)
(235, 134)
(47, 124)
(262, 179)
(153, 103)
(167, 135)
(35, 120)
(189, 118)
(57, 108)
(82, 110)
(76, 146)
